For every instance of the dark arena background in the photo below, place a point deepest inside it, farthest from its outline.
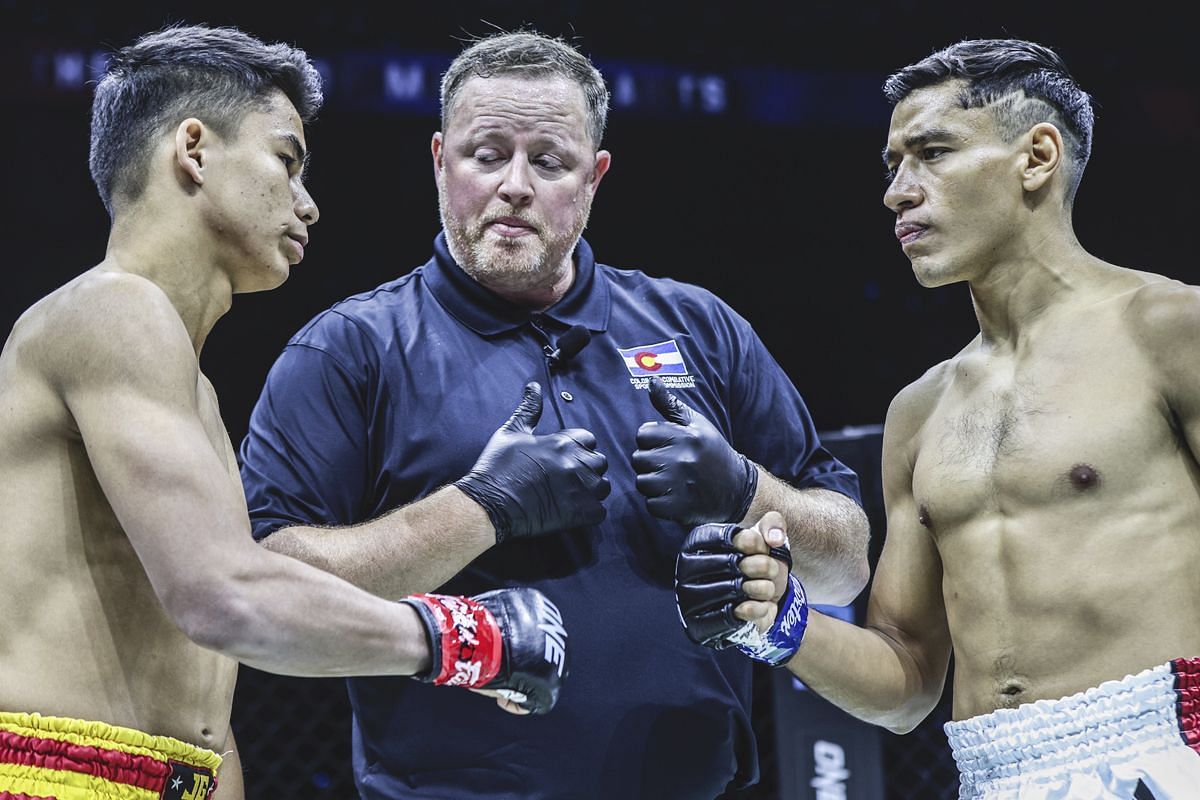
(746, 144)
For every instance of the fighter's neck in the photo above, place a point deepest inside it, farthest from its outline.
(1012, 297)
(198, 288)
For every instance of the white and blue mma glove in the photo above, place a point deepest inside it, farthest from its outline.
(708, 587)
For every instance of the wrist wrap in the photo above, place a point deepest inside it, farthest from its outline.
(778, 644)
(465, 642)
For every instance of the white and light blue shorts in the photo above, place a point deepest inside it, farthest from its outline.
(1132, 739)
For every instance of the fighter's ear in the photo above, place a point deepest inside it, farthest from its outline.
(192, 140)
(1043, 155)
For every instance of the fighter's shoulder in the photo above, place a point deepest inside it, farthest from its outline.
(1162, 315)
(110, 297)
(912, 405)
(1162, 319)
(907, 415)
(84, 325)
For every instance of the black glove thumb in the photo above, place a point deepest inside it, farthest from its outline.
(666, 403)
(528, 412)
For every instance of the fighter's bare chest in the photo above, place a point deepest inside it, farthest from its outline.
(1012, 431)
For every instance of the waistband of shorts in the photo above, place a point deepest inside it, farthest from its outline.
(1158, 707)
(39, 754)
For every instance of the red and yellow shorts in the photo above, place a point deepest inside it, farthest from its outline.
(54, 758)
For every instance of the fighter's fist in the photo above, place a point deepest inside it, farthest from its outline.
(530, 484)
(710, 584)
(508, 641)
(686, 469)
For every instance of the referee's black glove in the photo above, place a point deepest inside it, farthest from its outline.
(686, 469)
(530, 484)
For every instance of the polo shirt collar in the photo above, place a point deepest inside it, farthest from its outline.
(586, 303)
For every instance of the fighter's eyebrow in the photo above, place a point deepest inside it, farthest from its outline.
(918, 140)
(301, 154)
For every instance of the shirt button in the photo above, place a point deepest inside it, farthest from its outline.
(566, 396)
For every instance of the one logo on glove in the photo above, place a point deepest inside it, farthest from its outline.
(551, 624)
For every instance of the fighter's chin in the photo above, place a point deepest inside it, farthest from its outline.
(264, 281)
(933, 278)
(926, 280)
(277, 279)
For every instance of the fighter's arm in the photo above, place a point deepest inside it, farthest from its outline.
(1165, 318)
(828, 533)
(414, 548)
(128, 375)
(892, 670)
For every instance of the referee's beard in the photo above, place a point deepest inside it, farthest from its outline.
(521, 264)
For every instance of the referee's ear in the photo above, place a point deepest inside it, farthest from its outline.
(599, 168)
(435, 147)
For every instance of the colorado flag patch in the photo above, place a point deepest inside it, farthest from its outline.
(662, 360)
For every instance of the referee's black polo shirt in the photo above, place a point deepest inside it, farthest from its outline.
(392, 393)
